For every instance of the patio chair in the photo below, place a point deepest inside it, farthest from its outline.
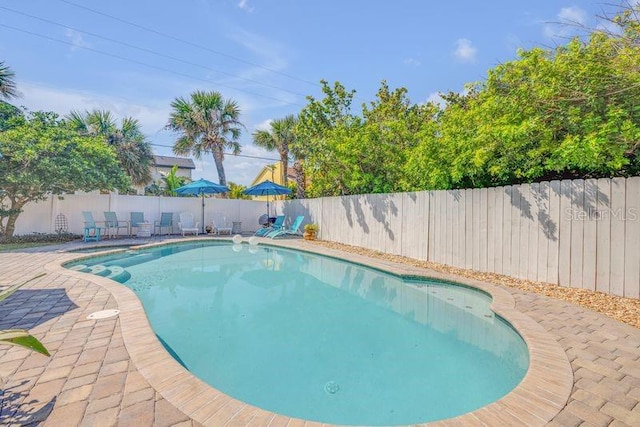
(221, 225)
(277, 225)
(113, 224)
(136, 218)
(91, 231)
(186, 224)
(166, 221)
(294, 230)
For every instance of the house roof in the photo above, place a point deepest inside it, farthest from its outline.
(168, 161)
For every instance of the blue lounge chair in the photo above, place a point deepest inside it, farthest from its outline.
(91, 231)
(166, 221)
(113, 224)
(136, 218)
(277, 225)
(294, 230)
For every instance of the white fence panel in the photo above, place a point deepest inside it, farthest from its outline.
(590, 241)
(603, 235)
(552, 227)
(632, 241)
(618, 225)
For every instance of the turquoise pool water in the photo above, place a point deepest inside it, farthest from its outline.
(322, 339)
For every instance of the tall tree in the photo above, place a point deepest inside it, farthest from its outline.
(206, 123)
(349, 154)
(280, 137)
(8, 87)
(133, 150)
(319, 124)
(43, 155)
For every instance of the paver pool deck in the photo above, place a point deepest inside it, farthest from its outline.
(96, 376)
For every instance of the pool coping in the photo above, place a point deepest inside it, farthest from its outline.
(538, 398)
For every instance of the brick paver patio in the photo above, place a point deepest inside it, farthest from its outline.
(91, 380)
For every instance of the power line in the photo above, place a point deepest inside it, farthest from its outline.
(112, 55)
(226, 154)
(196, 45)
(153, 52)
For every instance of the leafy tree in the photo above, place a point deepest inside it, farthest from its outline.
(44, 155)
(279, 137)
(392, 126)
(236, 191)
(349, 154)
(207, 123)
(550, 114)
(9, 116)
(133, 150)
(318, 124)
(8, 88)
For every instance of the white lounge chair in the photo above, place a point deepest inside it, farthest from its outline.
(187, 225)
(221, 225)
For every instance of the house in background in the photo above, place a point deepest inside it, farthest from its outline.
(162, 167)
(273, 173)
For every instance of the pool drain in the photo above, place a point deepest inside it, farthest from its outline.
(103, 314)
(332, 387)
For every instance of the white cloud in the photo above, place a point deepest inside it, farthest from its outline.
(411, 62)
(567, 21)
(573, 15)
(41, 97)
(465, 51)
(271, 53)
(76, 39)
(264, 125)
(244, 5)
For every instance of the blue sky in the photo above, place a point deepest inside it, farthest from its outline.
(134, 57)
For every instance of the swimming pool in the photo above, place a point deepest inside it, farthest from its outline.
(321, 339)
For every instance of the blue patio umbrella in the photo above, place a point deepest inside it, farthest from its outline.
(201, 187)
(267, 188)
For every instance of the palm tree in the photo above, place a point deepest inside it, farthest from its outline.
(133, 151)
(8, 88)
(207, 123)
(280, 137)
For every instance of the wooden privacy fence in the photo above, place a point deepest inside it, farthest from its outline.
(575, 233)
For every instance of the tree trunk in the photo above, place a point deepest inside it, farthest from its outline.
(284, 163)
(218, 157)
(16, 209)
(300, 179)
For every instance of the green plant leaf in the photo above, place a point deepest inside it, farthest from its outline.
(21, 337)
(10, 290)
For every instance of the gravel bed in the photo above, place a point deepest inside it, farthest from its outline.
(625, 310)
